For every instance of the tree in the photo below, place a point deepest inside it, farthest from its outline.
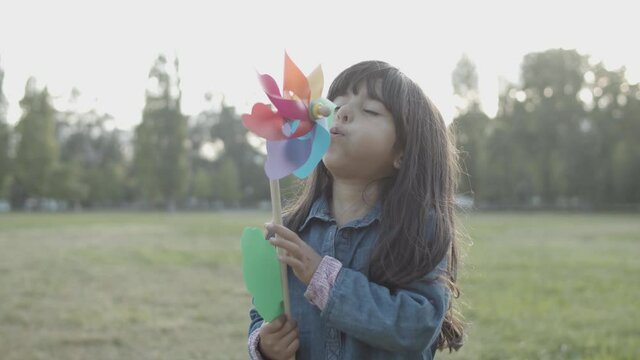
(202, 185)
(92, 156)
(226, 183)
(160, 157)
(5, 140)
(66, 184)
(253, 183)
(107, 178)
(507, 165)
(545, 148)
(37, 151)
(202, 154)
(612, 124)
(465, 85)
(551, 81)
(470, 126)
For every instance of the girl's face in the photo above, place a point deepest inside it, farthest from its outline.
(362, 138)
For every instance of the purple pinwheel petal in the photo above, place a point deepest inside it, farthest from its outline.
(284, 157)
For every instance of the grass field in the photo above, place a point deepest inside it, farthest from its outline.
(169, 286)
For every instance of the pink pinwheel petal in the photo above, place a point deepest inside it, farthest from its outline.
(269, 85)
(291, 109)
(288, 108)
(264, 122)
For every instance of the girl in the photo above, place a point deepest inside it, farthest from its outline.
(370, 240)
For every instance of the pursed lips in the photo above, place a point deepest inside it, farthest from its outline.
(335, 131)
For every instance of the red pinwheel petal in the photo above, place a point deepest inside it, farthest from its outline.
(295, 81)
(264, 122)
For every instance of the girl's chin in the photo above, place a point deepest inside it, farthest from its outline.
(332, 162)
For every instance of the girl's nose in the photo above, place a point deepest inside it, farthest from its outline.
(342, 114)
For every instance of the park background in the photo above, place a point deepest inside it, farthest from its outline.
(126, 175)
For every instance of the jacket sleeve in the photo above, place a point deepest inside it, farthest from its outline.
(256, 320)
(409, 319)
(252, 342)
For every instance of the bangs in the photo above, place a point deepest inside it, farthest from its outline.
(382, 81)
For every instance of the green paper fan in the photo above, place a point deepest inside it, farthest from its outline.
(261, 272)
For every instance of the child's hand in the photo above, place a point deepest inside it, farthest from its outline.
(279, 338)
(301, 257)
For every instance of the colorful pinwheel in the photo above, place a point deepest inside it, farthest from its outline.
(297, 133)
(297, 136)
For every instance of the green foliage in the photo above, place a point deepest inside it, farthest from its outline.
(202, 165)
(161, 163)
(467, 128)
(465, 84)
(226, 183)
(565, 137)
(203, 185)
(67, 184)
(5, 142)
(247, 160)
(37, 150)
(96, 155)
(5, 161)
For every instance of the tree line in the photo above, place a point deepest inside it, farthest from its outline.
(565, 136)
(72, 158)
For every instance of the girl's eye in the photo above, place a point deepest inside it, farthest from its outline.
(374, 113)
(337, 108)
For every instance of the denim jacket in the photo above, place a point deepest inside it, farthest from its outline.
(362, 319)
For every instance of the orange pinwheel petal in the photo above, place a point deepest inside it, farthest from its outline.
(294, 81)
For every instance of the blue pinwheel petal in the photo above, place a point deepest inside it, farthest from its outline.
(321, 139)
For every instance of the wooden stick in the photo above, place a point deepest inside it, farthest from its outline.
(276, 209)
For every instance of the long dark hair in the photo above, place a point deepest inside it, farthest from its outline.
(426, 180)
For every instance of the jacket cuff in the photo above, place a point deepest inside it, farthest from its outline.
(322, 282)
(254, 339)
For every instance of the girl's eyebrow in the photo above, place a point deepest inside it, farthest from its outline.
(376, 101)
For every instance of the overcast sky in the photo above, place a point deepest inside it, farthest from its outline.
(105, 48)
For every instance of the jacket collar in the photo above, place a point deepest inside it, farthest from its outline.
(321, 209)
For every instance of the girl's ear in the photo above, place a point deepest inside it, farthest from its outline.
(397, 162)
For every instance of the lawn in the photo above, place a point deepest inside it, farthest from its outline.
(169, 286)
